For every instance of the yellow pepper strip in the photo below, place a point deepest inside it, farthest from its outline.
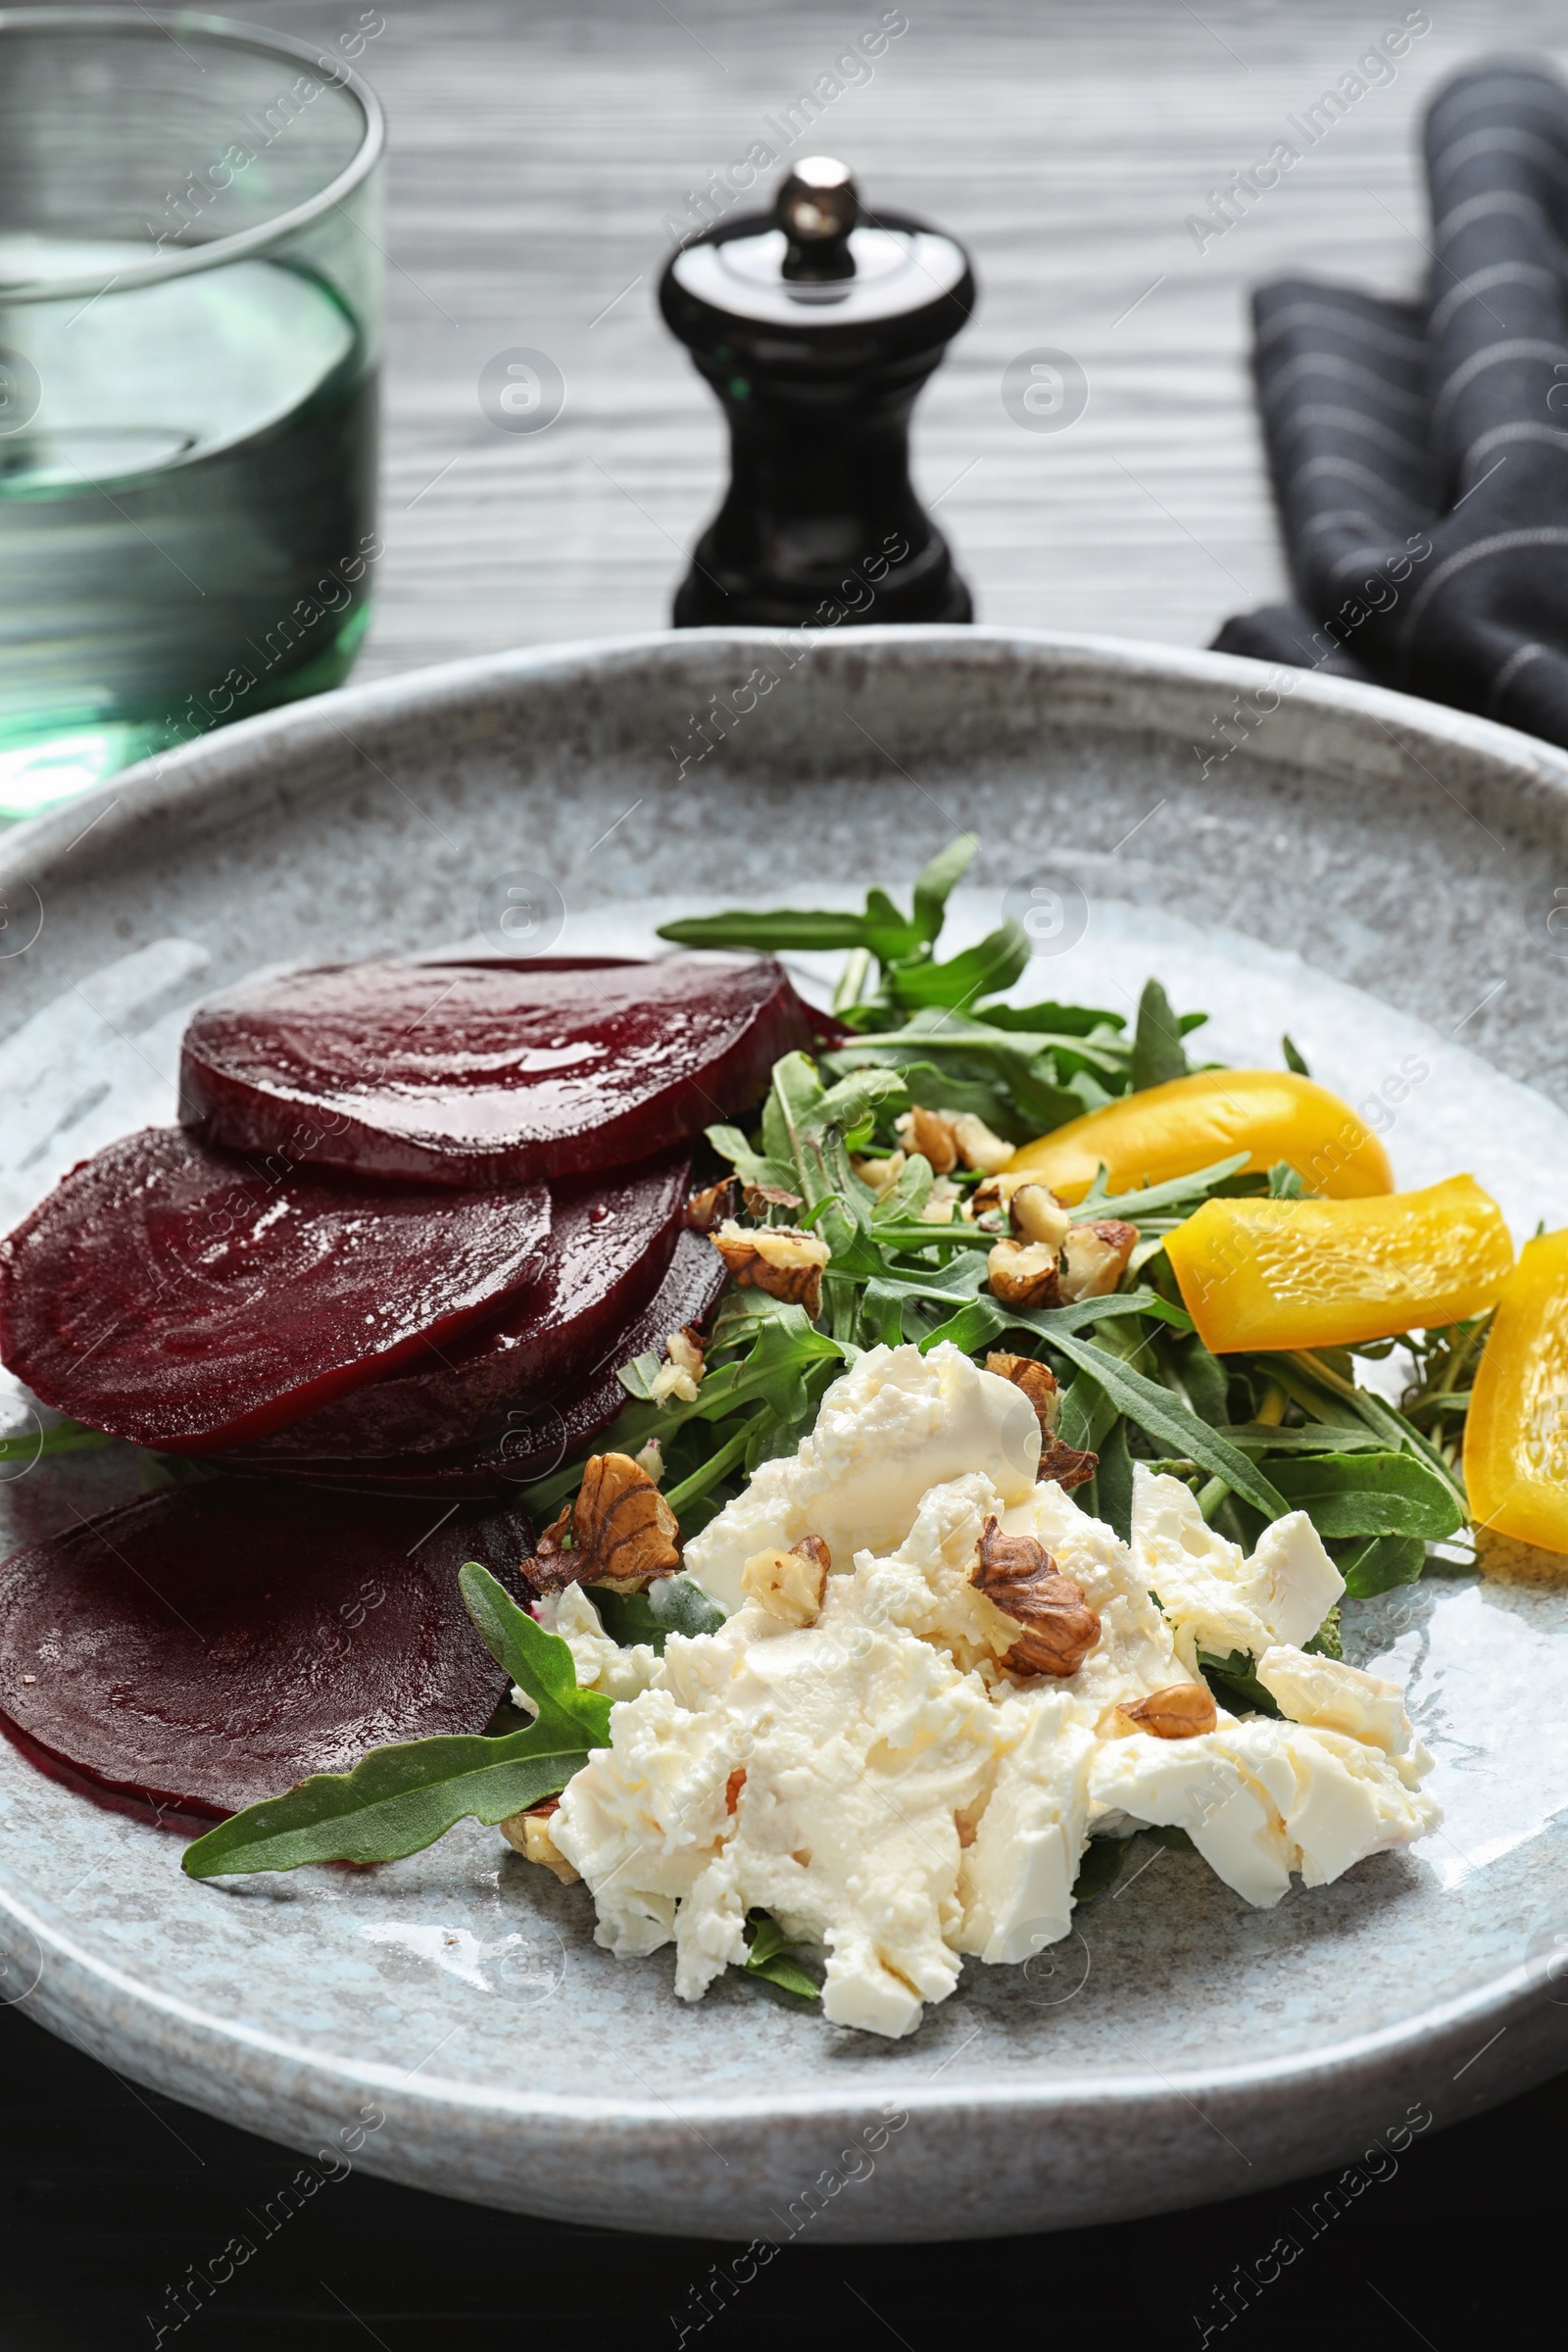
(1516, 1431)
(1191, 1122)
(1327, 1273)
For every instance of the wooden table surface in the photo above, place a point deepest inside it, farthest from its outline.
(537, 150)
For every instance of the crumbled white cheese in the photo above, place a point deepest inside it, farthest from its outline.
(894, 1427)
(1216, 1600)
(879, 1779)
(600, 1663)
(1335, 1697)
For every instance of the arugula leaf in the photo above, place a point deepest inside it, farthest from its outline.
(1381, 1563)
(1235, 1685)
(1151, 1406)
(769, 1958)
(1364, 1494)
(1293, 1056)
(672, 1604)
(62, 1436)
(935, 884)
(1136, 1206)
(994, 964)
(1157, 1055)
(1100, 1867)
(751, 1167)
(784, 927)
(399, 1799)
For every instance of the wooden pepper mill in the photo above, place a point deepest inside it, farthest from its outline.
(816, 325)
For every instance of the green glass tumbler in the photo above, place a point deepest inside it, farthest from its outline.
(190, 323)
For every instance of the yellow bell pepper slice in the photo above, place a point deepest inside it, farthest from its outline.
(1191, 1122)
(1516, 1431)
(1328, 1273)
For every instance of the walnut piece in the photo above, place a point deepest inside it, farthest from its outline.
(760, 1198)
(1039, 1216)
(775, 1259)
(623, 1533)
(931, 1134)
(681, 1376)
(939, 1202)
(528, 1833)
(733, 1786)
(1057, 1628)
(949, 1139)
(880, 1174)
(1178, 1712)
(1023, 1273)
(1037, 1381)
(790, 1585)
(1094, 1259)
(1065, 1464)
(711, 1207)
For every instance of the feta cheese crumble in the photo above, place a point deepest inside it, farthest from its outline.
(880, 1781)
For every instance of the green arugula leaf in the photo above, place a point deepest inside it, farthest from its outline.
(994, 964)
(1157, 1055)
(672, 1604)
(1100, 1867)
(1379, 1564)
(1151, 1406)
(783, 927)
(399, 1799)
(769, 1958)
(1292, 1057)
(935, 882)
(751, 1167)
(1076, 1021)
(1235, 1685)
(1173, 1193)
(1362, 1493)
(62, 1436)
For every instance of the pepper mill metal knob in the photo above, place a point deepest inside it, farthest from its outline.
(816, 326)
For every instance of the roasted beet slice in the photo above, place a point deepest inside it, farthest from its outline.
(542, 1432)
(169, 1295)
(610, 1244)
(486, 1073)
(205, 1648)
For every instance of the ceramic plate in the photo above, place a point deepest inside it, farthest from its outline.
(1378, 876)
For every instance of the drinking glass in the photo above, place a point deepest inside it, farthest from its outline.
(190, 311)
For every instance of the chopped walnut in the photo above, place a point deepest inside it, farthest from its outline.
(775, 1259)
(623, 1533)
(760, 1198)
(528, 1833)
(1057, 1628)
(733, 1786)
(1179, 1712)
(650, 1457)
(1094, 1258)
(993, 1197)
(1065, 1466)
(790, 1585)
(951, 1137)
(881, 1174)
(681, 1376)
(931, 1134)
(1039, 1216)
(939, 1202)
(1023, 1273)
(711, 1207)
(1037, 1381)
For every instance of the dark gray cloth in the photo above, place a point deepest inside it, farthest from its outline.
(1419, 451)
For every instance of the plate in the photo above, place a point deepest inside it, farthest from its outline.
(1379, 876)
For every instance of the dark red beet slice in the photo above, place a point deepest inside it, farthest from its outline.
(543, 1431)
(203, 1650)
(169, 1295)
(610, 1244)
(486, 1073)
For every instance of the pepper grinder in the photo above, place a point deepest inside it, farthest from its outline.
(816, 326)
